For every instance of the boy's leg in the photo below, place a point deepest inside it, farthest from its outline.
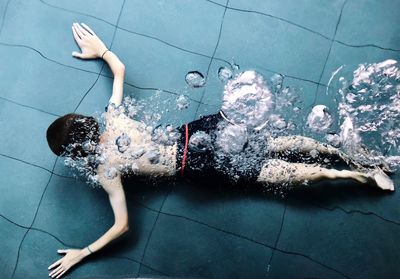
(278, 171)
(300, 146)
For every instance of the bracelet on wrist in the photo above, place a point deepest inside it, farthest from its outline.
(91, 252)
(104, 53)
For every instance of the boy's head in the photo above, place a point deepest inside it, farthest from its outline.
(67, 134)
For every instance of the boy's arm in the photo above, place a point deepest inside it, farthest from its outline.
(118, 69)
(117, 199)
(92, 47)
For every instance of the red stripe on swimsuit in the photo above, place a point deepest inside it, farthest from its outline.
(186, 147)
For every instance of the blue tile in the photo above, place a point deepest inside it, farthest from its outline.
(213, 92)
(337, 239)
(355, 198)
(40, 83)
(24, 134)
(11, 237)
(3, 7)
(97, 98)
(105, 10)
(162, 102)
(192, 25)
(61, 170)
(203, 227)
(305, 89)
(278, 45)
(54, 40)
(21, 182)
(286, 265)
(66, 199)
(218, 2)
(317, 15)
(39, 250)
(78, 215)
(370, 22)
(146, 272)
(351, 57)
(186, 249)
(205, 110)
(151, 64)
(254, 215)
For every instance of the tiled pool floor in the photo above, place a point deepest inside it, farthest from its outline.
(206, 230)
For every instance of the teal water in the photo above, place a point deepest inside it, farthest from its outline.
(182, 229)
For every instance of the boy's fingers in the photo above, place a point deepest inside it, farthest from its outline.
(88, 29)
(55, 264)
(78, 31)
(76, 36)
(83, 30)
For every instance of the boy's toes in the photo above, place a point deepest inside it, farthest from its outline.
(382, 180)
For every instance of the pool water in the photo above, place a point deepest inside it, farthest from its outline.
(178, 56)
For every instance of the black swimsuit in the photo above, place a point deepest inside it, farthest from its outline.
(203, 163)
(198, 163)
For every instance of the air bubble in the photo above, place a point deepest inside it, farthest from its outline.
(314, 153)
(319, 119)
(123, 142)
(182, 102)
(333, 139)
(224, 74)
(195, 79)
(277, 82)
(134, 167)
(278, 122)
(153, 156)
(111, 173)
(88, 146)
(200, 142)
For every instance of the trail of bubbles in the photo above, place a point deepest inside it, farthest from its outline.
(365, 124)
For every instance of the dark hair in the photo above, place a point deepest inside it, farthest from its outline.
(66, 135)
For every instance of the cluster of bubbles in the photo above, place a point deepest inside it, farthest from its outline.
(368, 114)
(255, 110)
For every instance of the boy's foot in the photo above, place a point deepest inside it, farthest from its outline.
(382, 180)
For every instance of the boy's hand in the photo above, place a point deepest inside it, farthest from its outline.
(72, 257)
(91, 45)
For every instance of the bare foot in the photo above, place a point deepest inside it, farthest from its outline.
(382, 180)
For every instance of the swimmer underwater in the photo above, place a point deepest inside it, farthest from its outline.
(66, 137)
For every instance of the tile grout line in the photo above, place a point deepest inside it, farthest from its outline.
(366, 45)
(134, 32)
(79, 69)
(351, 211)
(217, 229)
(3, 43)
(34, 218)
(34, 165)
(4, 17)
(329, 53)
(258, 242)
(103, 62)
(74, 246)
(227, 232)
(152, 230)
(137, 86)
(277, 238)
(29, 107)
(99, 74)
(212, 57)
(347, 211)
(231, 8)
(305, 28)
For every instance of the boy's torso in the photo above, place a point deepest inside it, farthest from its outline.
(142, 156)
